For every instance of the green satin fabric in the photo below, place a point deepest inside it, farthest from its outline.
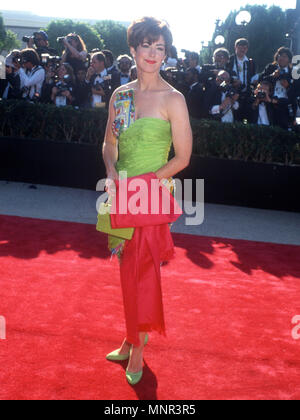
(143, 147)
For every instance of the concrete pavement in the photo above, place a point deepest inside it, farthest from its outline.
(79, 206)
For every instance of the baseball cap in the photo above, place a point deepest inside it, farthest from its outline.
(43, 34)
(9, 61)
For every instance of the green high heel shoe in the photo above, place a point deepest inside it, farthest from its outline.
(114, 356)
(134, 378)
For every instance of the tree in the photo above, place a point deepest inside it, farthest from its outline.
(266, 32)
(114, 35)
(8, 39)
(60, 28)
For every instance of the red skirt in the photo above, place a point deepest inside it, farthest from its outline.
(141, 280)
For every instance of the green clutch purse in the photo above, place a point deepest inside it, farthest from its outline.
(104, 224)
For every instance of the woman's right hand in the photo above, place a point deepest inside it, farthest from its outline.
(110, 186)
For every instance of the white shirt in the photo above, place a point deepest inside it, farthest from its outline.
(33, 80)
(228, 116)
(281, 91)
(263, 118)
(240, 70)
(125, 79)
(97, 99)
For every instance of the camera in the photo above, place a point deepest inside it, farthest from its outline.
(229, 90)
(26, 39)
(177, 76)
(48, 59)
(60, 39)
(261, 95)
(65, 85)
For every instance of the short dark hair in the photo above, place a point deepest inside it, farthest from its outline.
(283, 50)
(241, 41)
(150, 29)
(195, 57)
(99, 56)
(108, 55)
(267, 83)
(29, 55)
(222, 51)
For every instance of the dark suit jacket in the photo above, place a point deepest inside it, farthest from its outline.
(212, 97)
(14, 91)
(195, 101)
(250, 67)
(255, 113)
(106, 87)
(269, 70)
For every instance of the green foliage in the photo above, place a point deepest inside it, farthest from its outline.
(114, 35)
(266, 32)
(8, 39)
(211, 138)
(59, 28)
(245, 142)
(48, 122)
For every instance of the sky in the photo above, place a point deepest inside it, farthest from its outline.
(191, 21)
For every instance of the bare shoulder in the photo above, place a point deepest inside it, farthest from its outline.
(175, 102)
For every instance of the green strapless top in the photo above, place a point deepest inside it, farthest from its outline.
(144, 146)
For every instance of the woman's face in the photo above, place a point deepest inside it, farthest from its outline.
(74, 42)
(62, 71)
(149, 57)
(283, 60)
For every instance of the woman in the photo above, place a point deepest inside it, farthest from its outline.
(62, 92)
(157, 115)
(75, 53)
(279, 74)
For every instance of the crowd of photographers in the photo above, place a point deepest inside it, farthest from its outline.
(228, 90)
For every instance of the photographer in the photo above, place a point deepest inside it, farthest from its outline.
(221, 99)
(51, 68)
(176, 78)
(133, 73)
(81, 90)
(109, 62)
(39, 42)
(279, 74)
(220, 62)
(171, 60)
(195, 95)
(98, 81)
(62, 92)
(244, 68)
(124, 64)
(75, 53)
(263, 104)
(193, 62)
(10, 86)
(32, 75)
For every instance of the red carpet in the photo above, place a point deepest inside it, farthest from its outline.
(228, 309)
